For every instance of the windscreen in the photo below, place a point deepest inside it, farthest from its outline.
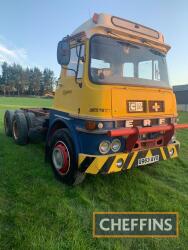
(117, 62)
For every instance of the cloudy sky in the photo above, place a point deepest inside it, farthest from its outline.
(30, 30)
(10, 54)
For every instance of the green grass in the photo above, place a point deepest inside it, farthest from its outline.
(37, 212)
(16, 102)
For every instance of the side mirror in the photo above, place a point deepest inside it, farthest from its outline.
(63, 51)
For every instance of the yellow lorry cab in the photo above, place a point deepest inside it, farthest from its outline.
(113, 108)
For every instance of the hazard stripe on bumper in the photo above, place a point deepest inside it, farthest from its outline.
(106, 164)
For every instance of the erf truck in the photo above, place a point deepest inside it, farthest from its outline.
(113, 108)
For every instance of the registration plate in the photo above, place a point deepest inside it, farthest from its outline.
(148, 160)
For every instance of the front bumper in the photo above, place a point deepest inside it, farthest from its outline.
(106, 164)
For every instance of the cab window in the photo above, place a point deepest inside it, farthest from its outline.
(74, 63)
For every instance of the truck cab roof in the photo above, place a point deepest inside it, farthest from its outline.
(125, 29)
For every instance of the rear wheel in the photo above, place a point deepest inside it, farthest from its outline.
(8, 119)
(30, 117)
(20, 129)
(63, 158)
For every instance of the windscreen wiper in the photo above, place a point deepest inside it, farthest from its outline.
(122, 42)
(156, 52)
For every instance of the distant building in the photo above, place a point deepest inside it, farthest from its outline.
(181, 92)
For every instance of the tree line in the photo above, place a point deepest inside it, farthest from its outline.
(16, 80)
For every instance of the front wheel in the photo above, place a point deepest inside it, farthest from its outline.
(63, 158)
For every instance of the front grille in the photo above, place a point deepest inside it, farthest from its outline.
(140, 122)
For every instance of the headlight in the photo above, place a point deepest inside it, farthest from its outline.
(171, 152)
(100, 125)
(116, 145)
(104, 147)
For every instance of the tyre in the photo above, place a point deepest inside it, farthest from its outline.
(8, 119)
(63, 158)
(30, 117)
(19, 111)
(20, 129)
(36, 135)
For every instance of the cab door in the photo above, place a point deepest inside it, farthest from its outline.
(68, 92)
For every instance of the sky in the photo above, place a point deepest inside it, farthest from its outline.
(31, 29)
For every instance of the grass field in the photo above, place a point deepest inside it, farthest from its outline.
(37, 212)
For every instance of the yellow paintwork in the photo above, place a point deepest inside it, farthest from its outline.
(109, 100)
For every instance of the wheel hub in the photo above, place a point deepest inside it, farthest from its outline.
(61, 158)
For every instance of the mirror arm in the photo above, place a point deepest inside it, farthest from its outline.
(69, 69)
(82, 58)
(76, 72)
(78, 53)
(79, 58)
(77, 82)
